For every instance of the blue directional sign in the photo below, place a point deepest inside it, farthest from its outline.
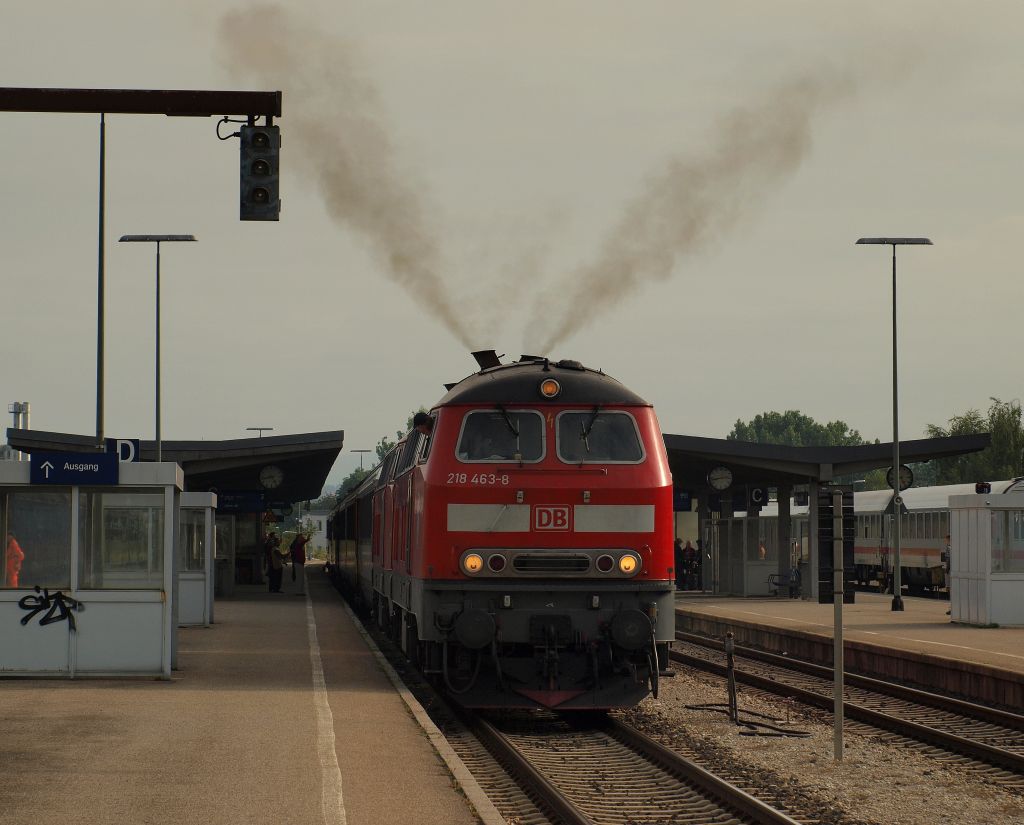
(73, 468)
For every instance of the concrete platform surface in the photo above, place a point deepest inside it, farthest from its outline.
(921, 628)
(239, 735)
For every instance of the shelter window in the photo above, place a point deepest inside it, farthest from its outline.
(121, 540)
(193, 540)
(501, 435)
(1008, 541)
(598, 436)
(35, 528)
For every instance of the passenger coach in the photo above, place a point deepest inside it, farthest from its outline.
(522, 551)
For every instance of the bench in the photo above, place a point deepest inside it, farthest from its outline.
(780, 581)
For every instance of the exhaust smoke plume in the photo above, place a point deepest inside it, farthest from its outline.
(689, 205)
(336, 137)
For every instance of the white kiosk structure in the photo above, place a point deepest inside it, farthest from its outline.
(88, 581)
(196, 545)
(987, 559)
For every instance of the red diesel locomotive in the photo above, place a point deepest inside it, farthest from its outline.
(521, 552)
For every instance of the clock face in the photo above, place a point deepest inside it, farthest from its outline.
(720, 478)
(906, 477)
(271, 476)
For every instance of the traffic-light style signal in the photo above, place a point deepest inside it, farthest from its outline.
(260, 173)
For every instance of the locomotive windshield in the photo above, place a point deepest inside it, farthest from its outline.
(598, 436)
(501, 435)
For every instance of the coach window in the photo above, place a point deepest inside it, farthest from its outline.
(35, 528)
(501, 435)
(385, 470)
(409, 449)
(428, 439)
(607, 437)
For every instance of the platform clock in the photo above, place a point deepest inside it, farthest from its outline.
(271, 477)
(720, 478)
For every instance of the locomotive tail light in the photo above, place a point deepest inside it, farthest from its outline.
(550, 388)
(496, 563)
(629, 564)
(506, 601)
(605, 564)
(472, 563)
(595, 602)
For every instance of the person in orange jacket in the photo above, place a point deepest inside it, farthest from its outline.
(13, 560)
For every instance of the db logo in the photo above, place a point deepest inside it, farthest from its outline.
(551, 518)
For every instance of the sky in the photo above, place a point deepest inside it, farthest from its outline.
(668, 191)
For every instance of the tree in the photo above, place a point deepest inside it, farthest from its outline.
(795, 429)
(1003, 458)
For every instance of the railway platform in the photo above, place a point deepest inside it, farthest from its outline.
(279, 713)
(918, 646)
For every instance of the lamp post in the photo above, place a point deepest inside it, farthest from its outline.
(157, 239)
(897, 584)
(360, 456)
(261, 430)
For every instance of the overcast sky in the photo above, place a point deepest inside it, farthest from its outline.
(670, 191)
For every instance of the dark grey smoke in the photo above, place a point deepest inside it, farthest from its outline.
(690, 204)
(334, 133)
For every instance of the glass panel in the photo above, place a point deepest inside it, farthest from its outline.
(587, 436)
(121, 540)
(36, 530)
(1014, 558)
(192, 540)
(225, 536)
(491, 435)
(998, 540)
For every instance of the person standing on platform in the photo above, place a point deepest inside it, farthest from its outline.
(273, 561)
(13, 560)
(298, 549)
(691, 562)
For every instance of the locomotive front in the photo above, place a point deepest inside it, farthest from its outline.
(546, 573)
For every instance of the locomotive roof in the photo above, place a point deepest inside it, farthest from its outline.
(519, 382)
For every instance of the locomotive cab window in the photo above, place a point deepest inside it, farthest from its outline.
(603, 436)
(501, 435)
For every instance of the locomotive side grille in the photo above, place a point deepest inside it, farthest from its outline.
(551, 563)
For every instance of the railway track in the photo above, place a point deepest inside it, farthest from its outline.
(982, 739)
(550, 769)
(600, 771)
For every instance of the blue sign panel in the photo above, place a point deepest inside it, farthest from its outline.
(758, 497)
(682, 501)
(126, 449)
(239, 502)
(73, 468)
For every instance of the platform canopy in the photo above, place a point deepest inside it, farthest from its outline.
(691, 458)
(242, 464)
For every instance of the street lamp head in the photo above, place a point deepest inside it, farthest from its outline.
(156, 238)
(897, 241)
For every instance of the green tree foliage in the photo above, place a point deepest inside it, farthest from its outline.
(795, 429)
(1003, 458)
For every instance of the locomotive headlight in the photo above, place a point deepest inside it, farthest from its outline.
(472, 563)
(550, 388)
(629, 564)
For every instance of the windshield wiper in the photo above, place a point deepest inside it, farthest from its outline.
(512, 427)
(585, 430)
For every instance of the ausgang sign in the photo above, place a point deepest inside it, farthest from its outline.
(73, 468)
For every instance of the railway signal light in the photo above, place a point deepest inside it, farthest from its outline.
(260, 162)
